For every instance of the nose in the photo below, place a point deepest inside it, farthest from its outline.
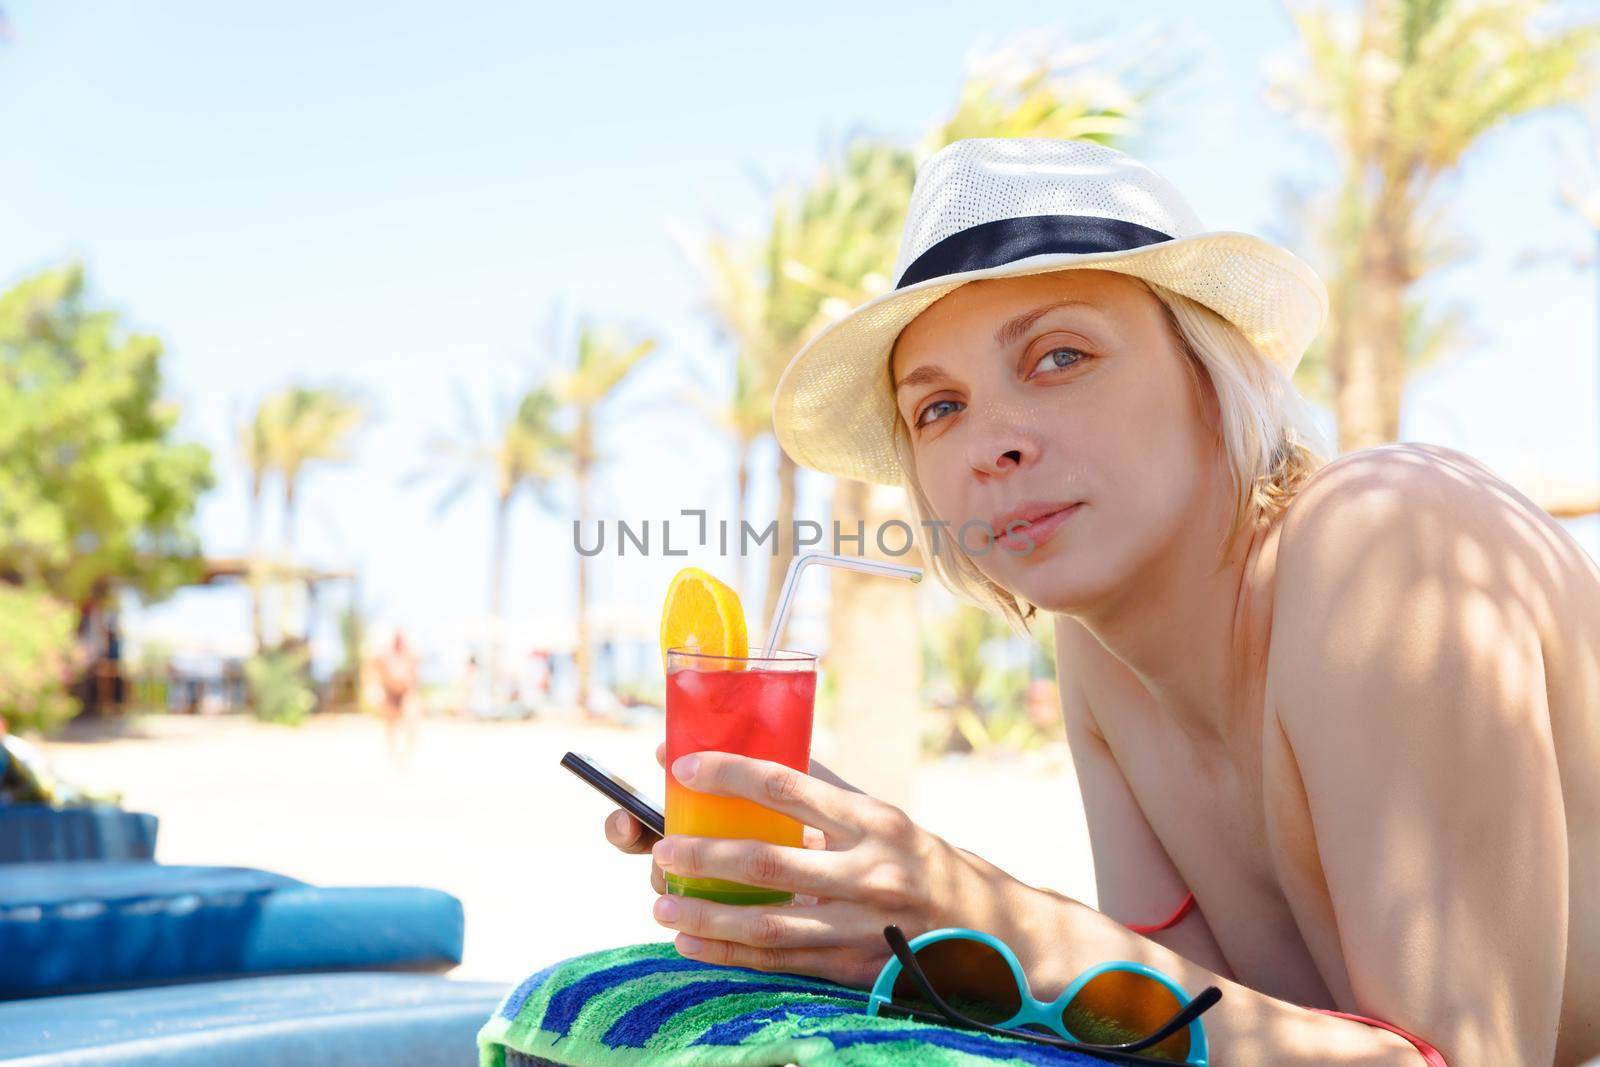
(996, 446)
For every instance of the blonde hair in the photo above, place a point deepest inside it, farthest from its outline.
(1270, 443)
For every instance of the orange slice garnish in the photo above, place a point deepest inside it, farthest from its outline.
(703, 614)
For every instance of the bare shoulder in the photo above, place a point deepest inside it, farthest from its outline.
(1396, 484)
(1410, 519)
(1395, 562)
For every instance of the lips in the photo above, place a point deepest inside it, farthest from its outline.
(1043, 520)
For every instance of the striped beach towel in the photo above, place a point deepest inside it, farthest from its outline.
(645, 1004)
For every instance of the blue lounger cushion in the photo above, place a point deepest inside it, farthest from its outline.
(68, 927)
(33, 833)
(317, 1020)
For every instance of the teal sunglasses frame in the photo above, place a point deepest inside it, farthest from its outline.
(1034, 1011)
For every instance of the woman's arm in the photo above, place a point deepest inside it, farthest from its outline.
(1057, 938)
(1135, 879)
(1409, 678)
(879, 867)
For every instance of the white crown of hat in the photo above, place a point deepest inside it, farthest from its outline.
(990, 179)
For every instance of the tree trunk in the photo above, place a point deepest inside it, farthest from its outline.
(1358, 360)
(286, 620)
(581, 650)
(874, 656)
(740, 509)
(290, 506)
(1392, 278)
(1369, 379)
(497, 588)
(1356, 386)
(778, 565)
(257, 624)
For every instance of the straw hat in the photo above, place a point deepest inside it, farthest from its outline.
(1001, 208)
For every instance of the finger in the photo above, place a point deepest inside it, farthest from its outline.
(661, 753)
(814, 838)
(788, 926)
(836, 812)
(658, 881)
(847, 966)
(629, 834)
(758, 863)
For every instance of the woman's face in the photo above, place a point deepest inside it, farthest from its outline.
(1062, 400)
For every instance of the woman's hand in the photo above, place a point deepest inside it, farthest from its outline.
(872, 866)
(632, 836)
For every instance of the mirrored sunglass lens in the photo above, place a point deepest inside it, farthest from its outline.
(1115, 1007)
(971, 976)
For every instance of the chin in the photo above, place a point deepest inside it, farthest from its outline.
(1062, 583)
(1078, 599)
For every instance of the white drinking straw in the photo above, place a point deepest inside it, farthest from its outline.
(850, 563)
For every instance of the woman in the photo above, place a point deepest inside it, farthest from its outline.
(1340, 722)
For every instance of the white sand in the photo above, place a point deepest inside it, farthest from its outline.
(486, 813)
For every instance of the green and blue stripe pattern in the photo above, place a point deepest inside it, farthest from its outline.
(645, 1004)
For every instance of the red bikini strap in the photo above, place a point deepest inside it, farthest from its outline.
(1430, 1055)
(1177, 917)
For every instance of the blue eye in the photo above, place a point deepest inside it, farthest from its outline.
(1056, 359)
(938, 410)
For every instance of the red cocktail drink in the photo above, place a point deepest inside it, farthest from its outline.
(756, 706)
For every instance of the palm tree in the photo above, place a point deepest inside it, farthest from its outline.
(524, 453)
(302, 426)
(1430, 335)
(293, 430)
(736, 301)
(1403, 89)
(605, 357)
(1036, 84)
(1581, 194)
(257, 457)
(766, 300)
(744, 416)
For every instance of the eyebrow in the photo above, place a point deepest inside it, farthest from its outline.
(1005, 336)
(1013, 329)
(924, 374)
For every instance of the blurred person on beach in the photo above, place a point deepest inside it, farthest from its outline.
(536, 681)
(395, 670)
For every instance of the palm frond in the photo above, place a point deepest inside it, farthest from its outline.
(525, 451)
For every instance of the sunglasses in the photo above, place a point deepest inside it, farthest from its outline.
(1121, 1010)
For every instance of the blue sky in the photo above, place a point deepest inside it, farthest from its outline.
(395, 196)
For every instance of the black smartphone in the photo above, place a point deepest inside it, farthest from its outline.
(624, 794)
